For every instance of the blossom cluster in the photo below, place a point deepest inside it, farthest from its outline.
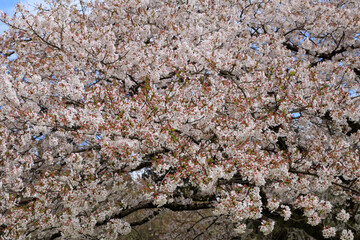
(286, 212)
(314, 209)
(240, 205)
(267, 227)
(343, 216)
(119, 226)
(347, 235)
(329, 232)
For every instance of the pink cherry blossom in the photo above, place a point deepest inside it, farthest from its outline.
(114, 109)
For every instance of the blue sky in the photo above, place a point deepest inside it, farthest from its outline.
(8, 7)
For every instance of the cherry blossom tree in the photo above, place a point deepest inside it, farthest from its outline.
(249, 109)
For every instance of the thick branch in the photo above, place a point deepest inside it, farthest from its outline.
(149, 205)
(146, 219)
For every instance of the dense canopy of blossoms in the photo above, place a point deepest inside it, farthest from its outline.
(249, 108)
